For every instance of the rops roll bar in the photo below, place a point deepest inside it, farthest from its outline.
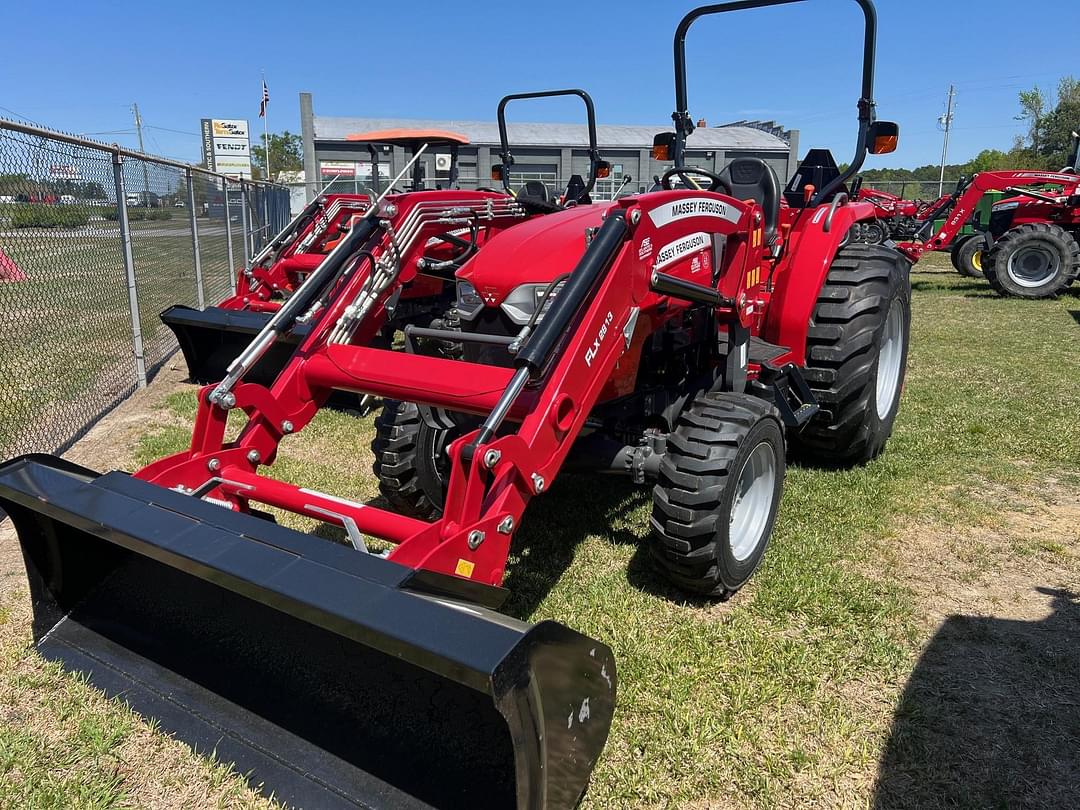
(507, 157)
(684, 125)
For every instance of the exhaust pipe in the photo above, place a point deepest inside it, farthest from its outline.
(315, 669)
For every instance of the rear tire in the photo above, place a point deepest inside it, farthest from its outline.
(720, 484)
(856, 353)
(1035, 260)
(968, 256)
(410, 460)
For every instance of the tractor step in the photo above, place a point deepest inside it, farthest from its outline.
(764, 353)
(328, 676)
(789, 391)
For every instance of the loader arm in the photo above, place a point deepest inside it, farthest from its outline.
(961, 207)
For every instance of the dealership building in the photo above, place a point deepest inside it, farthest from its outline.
(547, 152)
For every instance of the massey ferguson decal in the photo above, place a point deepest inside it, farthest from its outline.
(1048, 177)
(645, 249)
(693, 207)
(673, 251)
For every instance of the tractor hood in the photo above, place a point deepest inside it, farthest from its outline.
(538, 250)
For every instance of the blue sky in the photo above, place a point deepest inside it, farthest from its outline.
(78, 66)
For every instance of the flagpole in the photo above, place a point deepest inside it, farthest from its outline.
(266, 130)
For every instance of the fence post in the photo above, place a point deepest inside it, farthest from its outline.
(245, 224)
(228, 235)
(200, 293)
(266, 217)
(129, 269)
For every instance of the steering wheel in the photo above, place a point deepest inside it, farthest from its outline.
(717, 183)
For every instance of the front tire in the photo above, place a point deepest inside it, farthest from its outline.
(968, 256)
(875, 232)
(719, 490)
(410, 460)
(1035, 260)
(856, 356)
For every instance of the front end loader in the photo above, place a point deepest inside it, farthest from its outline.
(685, 338)
(1031, 246)
(210, 338)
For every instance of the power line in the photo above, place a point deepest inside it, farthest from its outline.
(177, 131)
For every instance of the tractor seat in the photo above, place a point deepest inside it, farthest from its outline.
(754, 179)
(575, 191)
(534, 196)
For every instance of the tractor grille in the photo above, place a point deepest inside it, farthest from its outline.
(1001, 221)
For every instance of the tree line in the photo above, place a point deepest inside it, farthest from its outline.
(1047, 144)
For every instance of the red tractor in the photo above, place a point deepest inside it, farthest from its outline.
(212, 337)
(686, 338)
(897, 218)
(1030, 248)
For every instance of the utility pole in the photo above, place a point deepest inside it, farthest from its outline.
(945, 121)
(142, 149)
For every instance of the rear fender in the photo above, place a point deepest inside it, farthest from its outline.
(802, 273)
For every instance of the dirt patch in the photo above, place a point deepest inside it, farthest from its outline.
(990, 714)
(994, 570)
(111, 443)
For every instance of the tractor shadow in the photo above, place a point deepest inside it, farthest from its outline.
(956, 284)
(1075, 313)
(578, 506)
(990, 716)
(581, 506)
(553, 526)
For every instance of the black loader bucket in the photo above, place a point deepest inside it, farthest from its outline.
(328, 676)
(212, 338)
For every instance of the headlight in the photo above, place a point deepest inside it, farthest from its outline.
(523, 300)
(1005, 206)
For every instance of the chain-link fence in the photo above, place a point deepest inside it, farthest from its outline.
(913, 189)
(95, 241)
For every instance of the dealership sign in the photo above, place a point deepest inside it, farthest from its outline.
(226, 147)
(338, 168)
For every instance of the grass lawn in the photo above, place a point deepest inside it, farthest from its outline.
(826, 681)
(66, 329)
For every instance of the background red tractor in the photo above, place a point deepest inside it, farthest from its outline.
(683, 337)
(1030, 248)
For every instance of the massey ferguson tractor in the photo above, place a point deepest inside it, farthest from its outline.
(212, 337)
(1031, 246)
(895, 216)
(688, 338)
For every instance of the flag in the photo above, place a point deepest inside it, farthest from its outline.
(265, 100)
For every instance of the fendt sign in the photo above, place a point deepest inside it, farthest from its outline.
(226, 147)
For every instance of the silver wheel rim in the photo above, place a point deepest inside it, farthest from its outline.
(751, 508)
(1033, 265)
(889, 358)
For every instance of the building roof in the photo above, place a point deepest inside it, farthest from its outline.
(523, 134)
